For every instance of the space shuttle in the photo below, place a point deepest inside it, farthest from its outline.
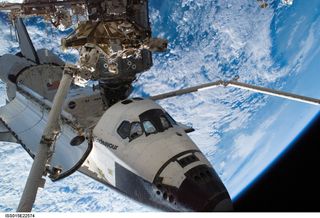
(133, 146)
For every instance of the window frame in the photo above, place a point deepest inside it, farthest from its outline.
(170, 119)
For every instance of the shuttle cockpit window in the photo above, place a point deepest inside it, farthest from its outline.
(124, 129)
(149, 127)
(135, 130)
(154, 121)
(164, 122)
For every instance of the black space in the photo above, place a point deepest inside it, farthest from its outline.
(293, 183)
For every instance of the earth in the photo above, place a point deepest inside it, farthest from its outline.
(242, 133)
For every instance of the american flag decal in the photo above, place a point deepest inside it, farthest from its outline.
(53, 85)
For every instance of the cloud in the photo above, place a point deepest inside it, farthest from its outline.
(246, 144)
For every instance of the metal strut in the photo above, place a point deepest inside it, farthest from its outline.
(236, 84)
(277, 93)
(38, 170)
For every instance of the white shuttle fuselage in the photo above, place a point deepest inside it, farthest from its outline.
(134, 146)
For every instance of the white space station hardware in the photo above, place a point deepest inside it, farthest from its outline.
(131, 145)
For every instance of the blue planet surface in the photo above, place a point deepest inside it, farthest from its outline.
(242, 133)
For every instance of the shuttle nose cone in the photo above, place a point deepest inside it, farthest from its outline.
(202, 190)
